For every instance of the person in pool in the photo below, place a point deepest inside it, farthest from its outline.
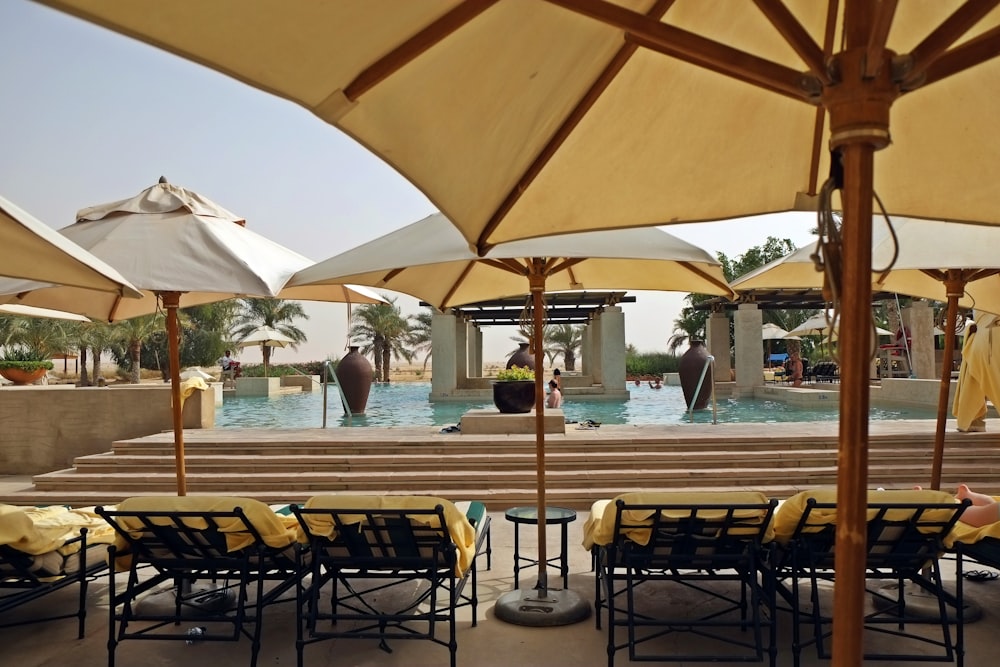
(554, 399)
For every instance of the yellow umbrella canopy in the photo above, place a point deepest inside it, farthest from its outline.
(431, 260)
(524, 118)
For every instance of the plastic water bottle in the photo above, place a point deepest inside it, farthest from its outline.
(194, 635)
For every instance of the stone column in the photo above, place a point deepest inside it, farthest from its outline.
(919, 319)
(444, 373)
(717, 335)
(748, 324)
(595, 349)
(475, 351)
(461, 352)
(613, 349)
(585, 350)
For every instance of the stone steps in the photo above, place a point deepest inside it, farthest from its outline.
(582, 466)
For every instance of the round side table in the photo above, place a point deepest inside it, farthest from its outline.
(559, 516)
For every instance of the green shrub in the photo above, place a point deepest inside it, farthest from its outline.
(25, 359)
(650, 363)
(515, 373)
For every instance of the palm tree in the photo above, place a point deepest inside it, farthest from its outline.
(421, 338)
(564, 339)
(275, 313)
(44, 336)
(381, 329)
(131, 333)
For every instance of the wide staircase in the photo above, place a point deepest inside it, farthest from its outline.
(581, 465)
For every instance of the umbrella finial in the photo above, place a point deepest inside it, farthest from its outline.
(163, 179)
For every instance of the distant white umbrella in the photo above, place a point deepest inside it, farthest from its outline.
(265, 336)
(820, 325)
(773, 332)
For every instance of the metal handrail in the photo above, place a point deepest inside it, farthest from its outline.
(709, 362)
(330, 377)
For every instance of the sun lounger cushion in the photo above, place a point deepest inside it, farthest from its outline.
(600, 527)
(276, 530)
(48, 534)
(459, 528)
(787, 517)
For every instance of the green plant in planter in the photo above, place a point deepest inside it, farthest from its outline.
(25, 359)
(515, 373)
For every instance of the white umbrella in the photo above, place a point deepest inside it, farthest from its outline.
(33, 251)
(30, 311)
(266, 336)
(770, 331)
(821, 325)
(431, 260)
(181, 249)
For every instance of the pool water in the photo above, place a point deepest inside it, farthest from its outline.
(406, 404)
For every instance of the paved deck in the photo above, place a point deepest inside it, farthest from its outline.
(493, 643)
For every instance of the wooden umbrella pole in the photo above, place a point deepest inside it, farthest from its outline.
(171, 301)
(537, 283)
(858, 103)
(955, 288)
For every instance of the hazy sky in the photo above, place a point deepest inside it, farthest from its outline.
(89, 116)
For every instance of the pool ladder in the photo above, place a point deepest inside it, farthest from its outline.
(329, 377)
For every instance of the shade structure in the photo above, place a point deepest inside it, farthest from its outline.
(825, 325)
(524, 118)
(181, 249)
(265, 336)
(33, 251)
(934, 259)
(29, 311)
(770, 331)
(431, 260)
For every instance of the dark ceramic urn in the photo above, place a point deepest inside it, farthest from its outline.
(354, 375)
(690, 368)
(514, 396)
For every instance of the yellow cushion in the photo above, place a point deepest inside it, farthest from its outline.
(40, 530)
(600, 527)
(275, 530)
(461, 531)
(787, 517)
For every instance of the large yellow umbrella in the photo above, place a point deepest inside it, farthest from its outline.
(430, 260)
(526, 117)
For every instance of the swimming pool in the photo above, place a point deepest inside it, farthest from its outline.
(406, 404)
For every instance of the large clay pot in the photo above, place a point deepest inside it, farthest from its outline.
(522, 358)
(21, 377)
(514, 396)
(354, 374)
(690, 368)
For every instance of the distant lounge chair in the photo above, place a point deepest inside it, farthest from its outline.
(364, 547)
(699, 543)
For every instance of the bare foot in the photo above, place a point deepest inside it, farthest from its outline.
(980, 499)
(918, 488)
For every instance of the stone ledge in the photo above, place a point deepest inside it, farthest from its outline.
(491, 422)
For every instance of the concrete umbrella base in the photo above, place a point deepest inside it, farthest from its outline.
(538, 608)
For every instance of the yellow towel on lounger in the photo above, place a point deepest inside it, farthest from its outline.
(275, 530)
(787, 517)
(461, 531)
(190, 386)
(600, 527)
(40, 530)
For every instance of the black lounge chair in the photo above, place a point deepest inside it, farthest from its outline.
(28, 573)
(395, 567)
(826, 371)
(711, 545)
(907, 532)
(239, 543)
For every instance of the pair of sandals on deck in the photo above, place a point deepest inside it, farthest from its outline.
(588, 425)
